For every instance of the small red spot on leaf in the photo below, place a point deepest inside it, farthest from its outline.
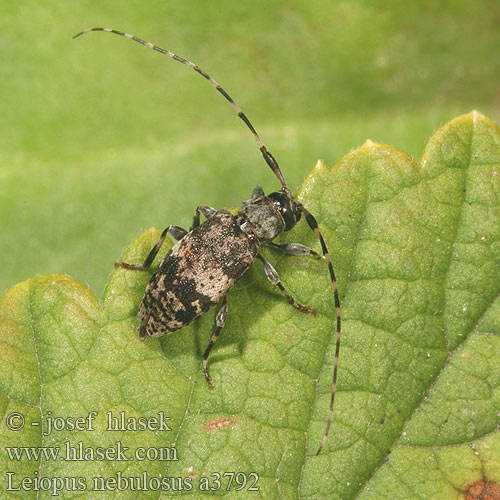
(482, 490)
(191, 474)
(220, 423)
(476, 488)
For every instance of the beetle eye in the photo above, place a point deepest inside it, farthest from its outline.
(288, 217)
(287, 208)
(296, 212)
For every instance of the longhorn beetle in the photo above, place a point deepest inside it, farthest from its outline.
(204, 264)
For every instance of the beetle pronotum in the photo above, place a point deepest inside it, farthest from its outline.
(200, 269)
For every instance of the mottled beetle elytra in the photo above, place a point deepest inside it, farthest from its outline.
(200, 269)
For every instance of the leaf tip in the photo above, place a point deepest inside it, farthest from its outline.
(475, 115)
(318, 166)
(315, 173)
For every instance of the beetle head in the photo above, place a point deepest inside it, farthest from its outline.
(287, 206)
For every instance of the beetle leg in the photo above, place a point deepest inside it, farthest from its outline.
(220, 321)
(295, 249)
(273, 277)
(204, 210)
(176, 231)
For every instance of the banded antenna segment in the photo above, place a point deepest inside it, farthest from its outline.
(268, 157)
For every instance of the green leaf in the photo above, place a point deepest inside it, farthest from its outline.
(416, 250)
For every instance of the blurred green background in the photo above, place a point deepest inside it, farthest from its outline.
(101, 138)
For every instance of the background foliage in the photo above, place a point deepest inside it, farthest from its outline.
(101, 138)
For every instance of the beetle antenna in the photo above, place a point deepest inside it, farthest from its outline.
(314, 226)
(273, 164)
(270, 160)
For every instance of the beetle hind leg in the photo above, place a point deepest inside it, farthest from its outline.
(220, 321)
(176, 231)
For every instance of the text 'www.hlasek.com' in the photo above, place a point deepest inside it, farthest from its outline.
(59, 450)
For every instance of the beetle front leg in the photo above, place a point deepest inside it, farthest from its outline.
(273, 277)
(176, 231)
(295, 249)
(204, 210)
(220, 321)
